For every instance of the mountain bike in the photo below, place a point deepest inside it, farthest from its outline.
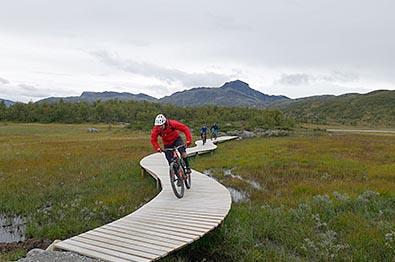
(178, 176)
(214, 135)
(204, 137)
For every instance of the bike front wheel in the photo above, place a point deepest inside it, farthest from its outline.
(176, 180)
(186, 176)
(187, 180)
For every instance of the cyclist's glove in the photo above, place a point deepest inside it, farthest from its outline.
(159, 150)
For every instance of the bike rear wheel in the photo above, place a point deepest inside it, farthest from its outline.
(176, 180)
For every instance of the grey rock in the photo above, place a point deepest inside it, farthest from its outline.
(93, 130)
(247, 134)
(35, 251)
(39, 255)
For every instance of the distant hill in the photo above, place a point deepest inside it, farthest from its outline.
(235, 93)
(103, 96)
(376, 108)
(7, 102)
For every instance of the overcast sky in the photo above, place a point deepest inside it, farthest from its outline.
(295, 48)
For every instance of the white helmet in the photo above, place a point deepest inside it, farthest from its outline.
(160, 120)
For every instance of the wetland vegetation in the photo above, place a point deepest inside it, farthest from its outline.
(309, 196)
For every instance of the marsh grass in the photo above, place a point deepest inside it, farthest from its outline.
(12, 255)
(322, 198)
(65, 180)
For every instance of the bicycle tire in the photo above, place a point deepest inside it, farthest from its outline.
(188, 181)
(187, 177)
(174, 178)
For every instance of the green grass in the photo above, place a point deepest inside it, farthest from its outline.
(66, 180)
(323, 198)
(13, 255)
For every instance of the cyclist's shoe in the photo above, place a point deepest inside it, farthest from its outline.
(188, 170)
(178, 182)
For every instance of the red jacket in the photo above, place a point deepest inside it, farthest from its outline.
(169, 134)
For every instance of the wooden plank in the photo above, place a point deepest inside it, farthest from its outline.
(158, 205)
(107, 251)
(183, 216)
(193, 211)
(175, 227)
(129, 246)
(161, 229)
(90, 253)
(167, 221)
(181, 213)
(129, 241)
(131, 231)
(192, 215)
(182, 221)
(116, 247)
(138, 237)
(152, 232)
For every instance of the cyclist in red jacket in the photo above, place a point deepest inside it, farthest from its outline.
(168, 130)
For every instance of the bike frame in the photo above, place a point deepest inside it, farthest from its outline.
(204, 137)
(176, 155)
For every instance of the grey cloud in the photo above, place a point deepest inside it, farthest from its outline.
(230, 23)
(167, 75)
(324, 35)
(295, 79)
(159, 91)
(306, 79)
(32, 91)
(338, 76)
(137, 42)
(50, 73)
(280, 33)
(4, 81)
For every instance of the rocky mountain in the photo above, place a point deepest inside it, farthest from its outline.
(6, 102)
(235, 93)
(103, 96)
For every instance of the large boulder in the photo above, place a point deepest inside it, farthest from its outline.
(247, 134)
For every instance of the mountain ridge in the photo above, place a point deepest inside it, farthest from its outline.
(90, 96)
(6, 102)
(233, 93)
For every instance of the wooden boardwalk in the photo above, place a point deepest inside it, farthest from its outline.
(163, 225)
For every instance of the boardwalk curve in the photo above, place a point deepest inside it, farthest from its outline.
(164, 224)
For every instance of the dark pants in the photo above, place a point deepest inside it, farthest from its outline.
(169, 154)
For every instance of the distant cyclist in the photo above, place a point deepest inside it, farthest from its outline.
(214, 131)
(203, 133)
(168, 130)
